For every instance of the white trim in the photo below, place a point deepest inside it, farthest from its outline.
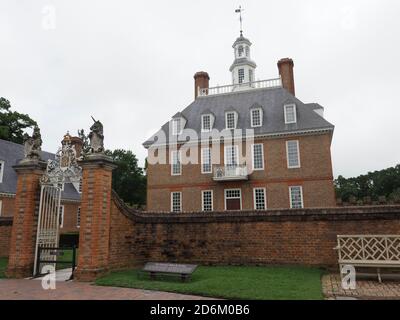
(1, 207)
(172, 162)
(235, 116)
(257, 136)
(3, 163)
(298, 154)
(301, 194)
(251, 117)
(252, 156)
(294, 109)
(202, 200)
(202, 158)
(236, 153)
(235, 189)
(61, 214)
(265, 197)
(180, 201)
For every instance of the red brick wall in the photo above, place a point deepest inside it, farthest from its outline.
(70, 217)
(5, 235)
(315, 175)
(305, 237)
(7, 208)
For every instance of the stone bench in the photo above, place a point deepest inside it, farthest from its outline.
(184, 271)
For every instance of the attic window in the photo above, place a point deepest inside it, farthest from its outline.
(1, 170)
(240, 51)
(230, 120)
(177, 126)
(290, 113)
(256, 117)
(206, 122)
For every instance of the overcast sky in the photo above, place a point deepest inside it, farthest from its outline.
(130, 64)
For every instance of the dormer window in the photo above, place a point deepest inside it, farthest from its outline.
(256, 117)
(206, 122)
(230, 120)
(290, 113)
(1, 170)
(177, 126)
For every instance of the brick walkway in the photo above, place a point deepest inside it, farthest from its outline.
(365, 289)
(31, 289)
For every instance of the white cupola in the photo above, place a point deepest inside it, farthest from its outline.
(243, 68)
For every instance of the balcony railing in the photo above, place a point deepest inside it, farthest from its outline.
(225, 173)
(270, 83)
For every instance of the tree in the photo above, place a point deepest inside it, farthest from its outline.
(385, 182)
(129, 180)
(12, 123)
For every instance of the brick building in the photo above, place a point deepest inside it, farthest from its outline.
(10, 154)
(245, 146)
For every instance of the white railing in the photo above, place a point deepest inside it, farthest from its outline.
(270, 83)
(222, 173)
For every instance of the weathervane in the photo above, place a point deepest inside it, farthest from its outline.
(240, 18)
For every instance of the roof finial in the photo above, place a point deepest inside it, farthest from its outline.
(240, 19)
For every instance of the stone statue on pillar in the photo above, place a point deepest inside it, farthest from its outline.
(32, 146)
(96, 137)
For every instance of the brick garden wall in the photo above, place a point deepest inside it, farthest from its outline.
(304, 237)
(5, 235)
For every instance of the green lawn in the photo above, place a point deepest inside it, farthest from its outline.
(231, 282)
(3, 266)
(67, 256)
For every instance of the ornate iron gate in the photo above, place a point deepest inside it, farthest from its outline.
(63, 169)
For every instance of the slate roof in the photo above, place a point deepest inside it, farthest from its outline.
(271, 100)
(11, 153)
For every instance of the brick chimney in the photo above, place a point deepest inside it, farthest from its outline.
(201, 80)
(285, 67)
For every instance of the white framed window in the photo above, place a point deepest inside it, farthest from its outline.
(2, 164)
(78, 217)
(293, 154)
(177, 126)
(247, 52)
(259, 196)
(257, 152)
(296, 197)
(231, 156)
(176, 165)
(176, 201)
(207, 200)
(241, 75)
(1, 207)
(61, 216)
(256, 117)
(233, 199)
(230, 120)
(206, 166)
(206, 122)
(290, 113)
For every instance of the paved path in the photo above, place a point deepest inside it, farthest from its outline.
(365, 289)
(11, 289)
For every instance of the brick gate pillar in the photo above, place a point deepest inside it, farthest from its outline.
(26, 213)
(94, 233)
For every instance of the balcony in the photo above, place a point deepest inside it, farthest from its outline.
(270, 83)
(230, 173)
